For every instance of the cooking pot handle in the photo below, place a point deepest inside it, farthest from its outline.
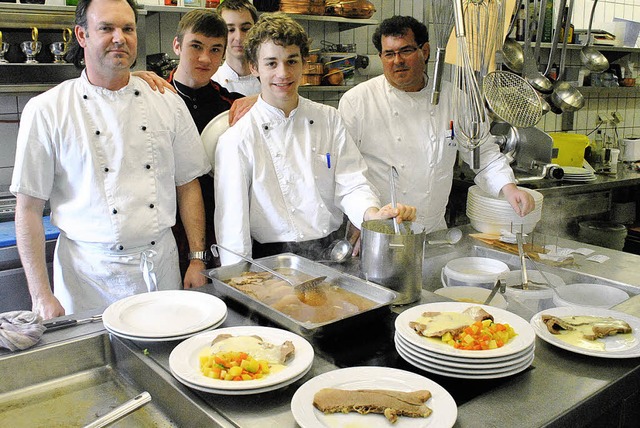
(396, 245)
(444, 284)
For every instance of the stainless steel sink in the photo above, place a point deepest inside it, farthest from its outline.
(73, 382)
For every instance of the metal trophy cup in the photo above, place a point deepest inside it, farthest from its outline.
(32, 48)
(4, 48)
(59, 49)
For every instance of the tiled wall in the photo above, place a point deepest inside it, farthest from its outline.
(9, 108)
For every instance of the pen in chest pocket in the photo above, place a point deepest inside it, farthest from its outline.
(328, 155)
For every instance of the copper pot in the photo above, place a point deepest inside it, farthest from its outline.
(313, 68)
(350, 8)
(309, 7)
(311, 80)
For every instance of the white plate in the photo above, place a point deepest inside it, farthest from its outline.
(419, 364)
(161, 314)
(524, 339)
(185, 365)
(445, 411)
(210, 134)
(401, 347)
(423, 354)
(615, 346)
(168, 338)
(243, 391)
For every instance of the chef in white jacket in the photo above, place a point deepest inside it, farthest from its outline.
(234, 73)
(393, 122)
(111, 156)
(288, 170)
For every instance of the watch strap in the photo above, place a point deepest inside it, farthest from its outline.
(199, 255)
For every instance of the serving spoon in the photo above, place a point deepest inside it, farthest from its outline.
(304, 286)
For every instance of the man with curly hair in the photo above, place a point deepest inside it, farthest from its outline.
(288, 171)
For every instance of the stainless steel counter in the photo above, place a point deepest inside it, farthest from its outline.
(559, 389)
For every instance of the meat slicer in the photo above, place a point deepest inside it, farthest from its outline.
(529, 150)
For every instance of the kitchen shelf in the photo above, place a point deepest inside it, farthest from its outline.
(632, 91)
(343, 23)
(321, 88)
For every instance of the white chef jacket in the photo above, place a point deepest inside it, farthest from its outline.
(287, 179)
(394, 127)
(227, 77)
(108, 162)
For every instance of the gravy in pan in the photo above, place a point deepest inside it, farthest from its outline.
(322, 304)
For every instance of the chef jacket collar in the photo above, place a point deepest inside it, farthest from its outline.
(275, 111)
(131, 87)
(391, 88)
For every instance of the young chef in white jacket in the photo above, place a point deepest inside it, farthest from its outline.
(413, 134)
(111, 155)
(234, 73)
(288, 170)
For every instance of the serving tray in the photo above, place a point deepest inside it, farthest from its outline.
(381, 296)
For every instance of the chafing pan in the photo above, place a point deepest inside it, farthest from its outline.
(381, 296)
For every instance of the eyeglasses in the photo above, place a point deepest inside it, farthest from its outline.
(404, 53)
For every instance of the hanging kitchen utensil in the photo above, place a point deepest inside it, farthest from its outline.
(393, 174)
(530, 70)
(304, 286)
(472, 124)
(512, 53)
(566, 97)
(442, 18)
(591, 58)
(511, 99)
(483, 23)
(555, 40)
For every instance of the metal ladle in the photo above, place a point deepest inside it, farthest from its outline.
(341, 249)
(565, 96)
(591, 58)
(393, 174)
(512, 52)
(452, 237)
(531, 73)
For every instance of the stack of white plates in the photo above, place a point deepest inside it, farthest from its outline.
(434, 356)
(164, 315)
(572, 173)
(184, 362)
(491, 215)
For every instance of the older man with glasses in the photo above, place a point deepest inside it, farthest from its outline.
(413, 135)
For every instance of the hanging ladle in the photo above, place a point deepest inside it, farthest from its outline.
(530, 70)
(565, 97)
(591, 58)
(512, 52)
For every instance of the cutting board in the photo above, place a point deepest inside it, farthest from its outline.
(8, 232)
(533, 251)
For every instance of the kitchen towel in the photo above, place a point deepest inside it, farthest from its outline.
(20, 329)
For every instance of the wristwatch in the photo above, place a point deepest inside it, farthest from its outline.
(199, 255)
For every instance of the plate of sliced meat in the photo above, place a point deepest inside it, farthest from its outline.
(595, 332)
(373, 397)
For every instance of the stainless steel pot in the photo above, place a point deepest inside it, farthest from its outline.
(394, 261)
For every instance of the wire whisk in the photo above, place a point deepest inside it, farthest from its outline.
(484, 23)
(442, 17)
(471, 121)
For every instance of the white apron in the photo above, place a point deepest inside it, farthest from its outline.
(89, 275)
